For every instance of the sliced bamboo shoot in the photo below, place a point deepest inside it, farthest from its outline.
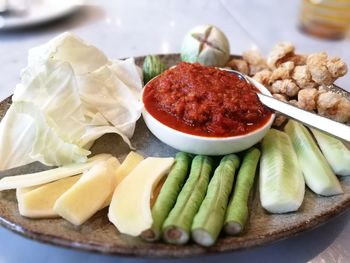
(26, 180)
(130, 209)
(86, 196)
(130, 162)
(39, 202)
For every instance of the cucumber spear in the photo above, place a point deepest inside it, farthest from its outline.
(318, 175)
(281, 181)
(209, 220)
(177, 225)
(237, 209)
(167, 196)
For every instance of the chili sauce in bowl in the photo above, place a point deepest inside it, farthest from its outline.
(205, 110)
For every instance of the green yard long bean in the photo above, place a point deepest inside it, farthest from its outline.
(237, 210)
(209, 220)
(176, 228)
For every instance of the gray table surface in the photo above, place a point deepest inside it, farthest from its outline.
(132, 28)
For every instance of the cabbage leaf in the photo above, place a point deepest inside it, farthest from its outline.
(70, 94)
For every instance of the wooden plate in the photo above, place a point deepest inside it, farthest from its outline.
(98, 235)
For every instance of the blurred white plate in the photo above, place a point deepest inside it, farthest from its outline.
(38, 12)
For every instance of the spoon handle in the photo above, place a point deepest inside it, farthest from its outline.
(313, 120)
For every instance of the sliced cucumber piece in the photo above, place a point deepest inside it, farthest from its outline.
(281, 182)
(318, 175)
(336, 153)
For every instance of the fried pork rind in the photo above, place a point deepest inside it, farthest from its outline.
(255, 61)
(294, 103)
(286, 86)
(302, 77)
(264, 77)
(322, 89)
(307, 99)
(298, 59)
(334, 106)
(317, 65)
(279, 51)
(301, 80)
(280, 97)
(336, 67)
(239, 65)
(284, 71)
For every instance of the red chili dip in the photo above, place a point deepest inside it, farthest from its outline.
(204, 101)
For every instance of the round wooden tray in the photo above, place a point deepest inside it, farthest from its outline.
(99, 235)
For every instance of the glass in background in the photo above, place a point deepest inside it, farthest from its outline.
(325, 18)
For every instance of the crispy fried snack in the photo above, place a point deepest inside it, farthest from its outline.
(255, 61)
(284, 71)
(264, 77)
(302, 77)
(317, 65)
(307, 99)
(239, 65)
(279, 51)
(334, 106)
(301, 80)
(285, 86)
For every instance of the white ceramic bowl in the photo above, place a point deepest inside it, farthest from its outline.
(206, 145)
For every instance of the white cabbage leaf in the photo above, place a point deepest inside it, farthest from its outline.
(103, 93)
(82, 56)
(70, 94)
(17, 134)
(48, 147)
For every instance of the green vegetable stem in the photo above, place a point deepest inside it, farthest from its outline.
(176, 228)
(209, 220)
(237, 209)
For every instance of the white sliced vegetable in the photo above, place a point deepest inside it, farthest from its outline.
(130, 209)
(88, 195)
(336, 153)
(26, 180)
(130, 162)
(39, 202)
(318, 175)
(282, 184)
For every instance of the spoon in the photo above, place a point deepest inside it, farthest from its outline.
(310, 119)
